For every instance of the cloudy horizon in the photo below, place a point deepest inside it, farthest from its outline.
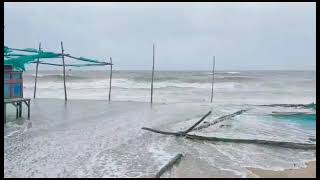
(242, 36)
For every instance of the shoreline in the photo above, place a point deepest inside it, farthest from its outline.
(308, 172)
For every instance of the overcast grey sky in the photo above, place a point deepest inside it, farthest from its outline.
(242, 36)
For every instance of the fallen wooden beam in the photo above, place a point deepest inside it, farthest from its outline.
(164, 132)
(197, 123)
(221, 119)
(291, 145)
(169, 165)
(311, 105)
(283, 144)
(278, 113)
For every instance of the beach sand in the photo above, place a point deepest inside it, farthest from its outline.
(308, 172)
(95, 138)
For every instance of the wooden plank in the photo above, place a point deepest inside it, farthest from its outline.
(198, 122)
(288, 105)
(283, 144)
(276, 113)
(169, 165)
(221, 119)
(164, 132)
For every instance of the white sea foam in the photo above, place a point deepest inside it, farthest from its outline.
(128, 84)
(233, 72)
(99, 139)
(108, 143)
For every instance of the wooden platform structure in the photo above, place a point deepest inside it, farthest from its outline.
(17, 58)
(17, 103)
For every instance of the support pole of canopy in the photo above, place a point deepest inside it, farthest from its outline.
(214, 60)
(110, 78)
(152, 75)
(35, 81)
(64, 73)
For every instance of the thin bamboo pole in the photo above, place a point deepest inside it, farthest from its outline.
(197, 123)
(64, 73)
(152, 74)
(213, 64)
(169, 165)
(110, 79)
(35, 81)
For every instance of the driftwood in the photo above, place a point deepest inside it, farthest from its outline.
(221, 119)
(169, 165)
(276, 113)
(164, 132)
(291, 145)
(197, 123)
(291, 105)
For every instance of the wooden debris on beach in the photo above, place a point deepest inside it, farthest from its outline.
(185, 134)
(222, 118)
(274, 113)
(311, 105)
(197, 123)
(291, 145)
(169, 165)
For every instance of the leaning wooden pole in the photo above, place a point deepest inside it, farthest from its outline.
(169, 165)
(197, 123)
(110, 78)
(152, 75)
(64, 73)
(222, 118)
(36, 79)
(212, 77)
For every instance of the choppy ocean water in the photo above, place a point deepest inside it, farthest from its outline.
(107, 147)
(249, 87)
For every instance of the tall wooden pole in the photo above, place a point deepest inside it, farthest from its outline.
(35, 81)
(64, 73)
(213, 63)
(110, 79)
(152, 75)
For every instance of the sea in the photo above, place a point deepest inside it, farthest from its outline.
(235, 87)
(69, 140)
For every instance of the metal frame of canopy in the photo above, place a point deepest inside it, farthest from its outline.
(19, 60)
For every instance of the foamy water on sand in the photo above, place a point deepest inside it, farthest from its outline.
(99, 139)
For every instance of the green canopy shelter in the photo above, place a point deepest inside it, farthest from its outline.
(19, 58)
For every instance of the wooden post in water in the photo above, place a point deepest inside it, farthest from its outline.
(35, 81)
(152, 75)
(110, 79)
(64, 73)
(169, 165)
(214, 59)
